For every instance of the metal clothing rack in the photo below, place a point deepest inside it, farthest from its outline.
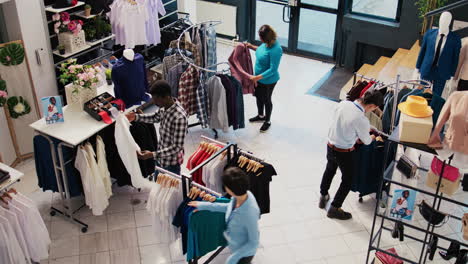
(375, 237)
(208, 68)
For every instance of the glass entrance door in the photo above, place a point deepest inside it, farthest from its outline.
(305, 27)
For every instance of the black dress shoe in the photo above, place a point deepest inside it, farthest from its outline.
(338, 213)
(452, 251)
(323, 201)
(257, 119)
(265, 127)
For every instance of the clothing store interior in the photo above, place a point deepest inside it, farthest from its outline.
(233, 131)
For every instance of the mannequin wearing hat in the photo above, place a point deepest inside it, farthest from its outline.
(455, 116)
(438, 58)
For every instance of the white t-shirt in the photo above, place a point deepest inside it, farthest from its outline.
(13, 219)
(13, 249)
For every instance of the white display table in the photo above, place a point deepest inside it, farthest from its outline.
(15, 176)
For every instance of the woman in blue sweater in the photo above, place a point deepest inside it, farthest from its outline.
(242, 215)
(266, 73)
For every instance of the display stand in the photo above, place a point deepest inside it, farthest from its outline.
(78, 127)
(387, 181)
(15, 176)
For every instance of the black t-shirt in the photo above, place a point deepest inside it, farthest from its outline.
(259, 183)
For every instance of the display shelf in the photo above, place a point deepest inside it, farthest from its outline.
(388, 176)
(4, 1)
(395, 137)
(58, 10)
(14, 176)
(67, 55)
(82, 15)
(92, 43)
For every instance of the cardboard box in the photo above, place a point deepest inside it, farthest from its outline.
(415, 130)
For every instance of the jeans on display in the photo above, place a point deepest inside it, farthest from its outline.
(344, 161)
(263, 93)
(246, 260)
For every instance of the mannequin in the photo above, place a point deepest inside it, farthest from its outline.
(462, 71)
(454, 116)
(438, 57)
(130, 80)
(129, 54)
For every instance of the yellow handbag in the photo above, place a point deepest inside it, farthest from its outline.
(446, 186)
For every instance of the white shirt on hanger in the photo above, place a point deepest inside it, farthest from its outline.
(100, 197)
(13, 219)
(102, 164)
(14, 252)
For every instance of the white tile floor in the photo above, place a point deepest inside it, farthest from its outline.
(296, 231)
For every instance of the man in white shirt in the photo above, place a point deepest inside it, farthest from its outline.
(349, 126)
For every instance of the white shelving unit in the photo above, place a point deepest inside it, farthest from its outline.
(100, 40)
(82, 15)
(58, 10)
(66, 55)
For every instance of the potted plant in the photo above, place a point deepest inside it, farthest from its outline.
(425, 6)
(90, 34)
(87, 10)
(61, 49)
(109, 76)
(70, 33)
(80, 81)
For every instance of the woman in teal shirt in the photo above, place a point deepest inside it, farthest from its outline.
(242, 215)
(266, 73)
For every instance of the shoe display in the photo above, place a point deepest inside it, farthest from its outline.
(338, 213)
(323, 201)
(265, 127)
(452, 252)
(257, 119)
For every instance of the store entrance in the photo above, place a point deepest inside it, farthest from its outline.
(306, 27)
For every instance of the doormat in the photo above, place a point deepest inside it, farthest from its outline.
(330, 85)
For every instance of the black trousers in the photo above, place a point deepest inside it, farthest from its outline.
(263, 93)
(246, 260)
(335, 160)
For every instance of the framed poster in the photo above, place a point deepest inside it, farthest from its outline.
(52, 109)
(403, 204)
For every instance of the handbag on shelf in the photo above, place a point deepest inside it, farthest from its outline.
(431, 215)
(451, 173)
(446, 186)
(407, 167)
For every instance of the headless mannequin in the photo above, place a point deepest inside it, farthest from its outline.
(461, 76)
(129, 54)
(444, 28)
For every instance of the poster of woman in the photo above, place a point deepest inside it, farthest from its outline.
(403, 204)
(52, 109)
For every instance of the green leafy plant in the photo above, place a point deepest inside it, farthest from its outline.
(12, 54)
(3, 93)
(425, 6)
(90, 33)
(18, 106)
(108, 74)
(61, 47)
(87, 7)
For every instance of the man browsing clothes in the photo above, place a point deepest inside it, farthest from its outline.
(349, 126)
(173, 128)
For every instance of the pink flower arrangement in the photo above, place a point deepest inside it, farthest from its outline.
(64, 24)
(86, 76)
(3, 94)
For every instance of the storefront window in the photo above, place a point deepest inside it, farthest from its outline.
(381, 8)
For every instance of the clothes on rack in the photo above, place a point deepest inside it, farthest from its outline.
(203, 152)
(95, 185)
(163, 200)
(136, 22)
(202, 232)
(188, 85)
(260, 179)
(184, 44)
(388, 108)
(130, 80)
(45, 167)
(23, 234)
(241, 65)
